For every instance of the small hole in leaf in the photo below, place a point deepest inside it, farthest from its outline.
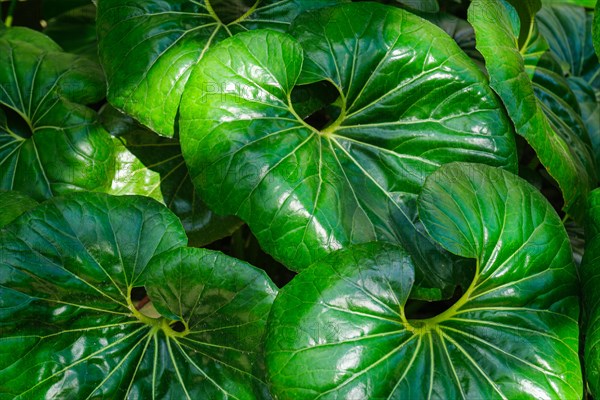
(419, 309)
(178, 326)
(138, 293)
(16, 123)
(415, 309)
(230, 10)
(314, 103)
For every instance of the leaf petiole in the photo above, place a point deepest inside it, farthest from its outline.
(11, 11)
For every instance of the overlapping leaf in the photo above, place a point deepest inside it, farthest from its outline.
(13, 204)
(409, 101)
(150, 165)
(340, 328)
(75, 31)
(558, 145)
(568, 31)
(148, 47)
(69, 325)
(50, 142)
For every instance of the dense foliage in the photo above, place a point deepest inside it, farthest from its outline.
(299, 199)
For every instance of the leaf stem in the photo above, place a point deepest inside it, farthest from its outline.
(11, 11)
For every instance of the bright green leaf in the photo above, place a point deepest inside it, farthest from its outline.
(150, 165)
(405, 107)
(148, 47)
(13, 204)
(558, 148)
(591, 279)
(340, 330)
(67, 270)
(581, 3)
(50, 142)
(596, 29)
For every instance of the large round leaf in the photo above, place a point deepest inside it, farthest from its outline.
(151, 165)
(409, 101)
(590, 269)
(340, 329)
(50, 142)
(506, 53)
(148, 47)
(69, 325)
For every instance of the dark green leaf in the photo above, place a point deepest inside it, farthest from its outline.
(153, 166)
(526, 10)
(50, 142)
(460, 30)
(53, 8)
(405, 105)
(69, 325)
(75, 31)
(339, 330)
(568, 31)
(558, 148)
(148, 47)
(13, 204)
(590, 276)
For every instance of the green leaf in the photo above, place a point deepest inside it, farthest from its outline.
(50, 142)
(568, 31)
(306, 192)
(581, 3)
(596, 29)
(426, 6)
(150, 165)
(591, 280)
(559, 149)
(148, 48)
(75, 31)
(67, 270)
(13, 204)
(460, 30)
(589, 105)
(340, 329)
(526, 11)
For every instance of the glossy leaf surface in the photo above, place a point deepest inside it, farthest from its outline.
(67, 270)
(590, 278)
(405, 105)
(13, 204)
(50, 142)
(339, 329)
(148, 48)
(150, 165)
(559, 149)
